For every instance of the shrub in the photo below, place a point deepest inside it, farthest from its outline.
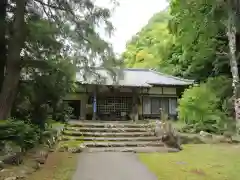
(199, 109)
(222, 88)
(197, 104)
(22, 134)
(62, 112)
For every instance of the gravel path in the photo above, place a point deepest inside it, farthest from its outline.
(111, 166)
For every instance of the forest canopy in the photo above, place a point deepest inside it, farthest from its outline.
(196, 40)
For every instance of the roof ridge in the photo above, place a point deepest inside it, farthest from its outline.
(171, 76)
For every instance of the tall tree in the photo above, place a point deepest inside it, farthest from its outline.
(16, 43)
(170, 44)
(233, 10)
(202, 40)
(3, 27)
(208, 30)
(75, 20)
(146, 49)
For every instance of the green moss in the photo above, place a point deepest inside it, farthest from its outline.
(196, 162)
(71, 143)
(56, 124)
(3, 121)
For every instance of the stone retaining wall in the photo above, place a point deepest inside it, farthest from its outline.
(36, 157)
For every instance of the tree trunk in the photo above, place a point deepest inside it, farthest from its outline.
(231, 34)
(3, 49)
(13, 69)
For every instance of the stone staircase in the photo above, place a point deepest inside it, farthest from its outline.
(114, 136)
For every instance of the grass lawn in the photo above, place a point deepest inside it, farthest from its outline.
(56, 124)
(70, 143)
(59, 166)
(196, 162)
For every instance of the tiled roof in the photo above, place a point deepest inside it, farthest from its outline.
(132, 77)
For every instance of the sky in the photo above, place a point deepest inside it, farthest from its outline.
(129, 17)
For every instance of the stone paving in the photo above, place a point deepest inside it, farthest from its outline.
(111, 166)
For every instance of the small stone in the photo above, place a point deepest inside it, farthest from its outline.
(53, 139)
(4, 170)
(49, 143)
(51, 150)
(24, 172)
(205, 134)
(13, 159)
(11, 178)
(11, 147)
(41, 160)
(41, 156)
(72, 150)
(82, 146)
(61, 149)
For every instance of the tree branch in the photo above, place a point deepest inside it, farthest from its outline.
(68, 10)
(50, 5)
(29, 62)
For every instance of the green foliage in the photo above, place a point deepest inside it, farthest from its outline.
(44, 94)
(199, 109)
(147, 48)
(56, 35)
(52, 54)
(220, 85)
(62, 112)
(222, 88)
(182, 41)
(22, 134)
(197, 104)
(189, 40)
(201, 36)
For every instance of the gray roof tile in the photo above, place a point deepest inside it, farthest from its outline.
(132, 77)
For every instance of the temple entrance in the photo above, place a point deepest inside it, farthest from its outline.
(76, 105)
(114, 108)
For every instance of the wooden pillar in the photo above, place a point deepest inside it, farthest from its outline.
(135, 105)
(83, 106)
(94, 104)
(84, 101)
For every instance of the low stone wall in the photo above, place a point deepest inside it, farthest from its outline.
(12, 157)
(172, 138)
(206, 138)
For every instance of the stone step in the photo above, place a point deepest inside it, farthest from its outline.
(108, 129)
(150, 138)
(124, 144)
(147, 149)
(109, 124)
(108, 134)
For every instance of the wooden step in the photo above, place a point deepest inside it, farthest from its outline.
(108, 134)
(150, 138)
